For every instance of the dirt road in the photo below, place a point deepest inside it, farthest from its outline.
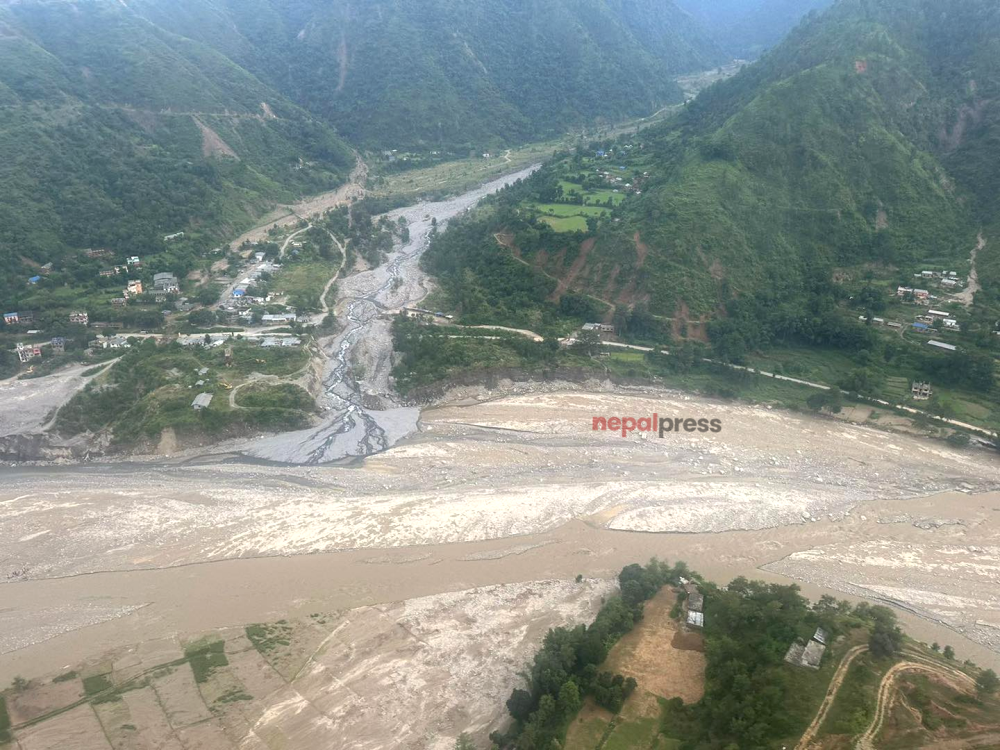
(887, 691)
(831, 696)
(352, 190)
(968, 295)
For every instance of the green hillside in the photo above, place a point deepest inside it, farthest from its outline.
(450, 73)
(781, 209)
(116, 133)
(852, 143)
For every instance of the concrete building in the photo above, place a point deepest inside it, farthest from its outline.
(166, 282)
(279, 318)
(11, 318)
(921, 391)
(79, 318)
(26, 352)
(58, 345)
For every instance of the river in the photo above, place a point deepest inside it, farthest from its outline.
(362, 414)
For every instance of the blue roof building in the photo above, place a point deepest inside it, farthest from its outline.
(34, 279)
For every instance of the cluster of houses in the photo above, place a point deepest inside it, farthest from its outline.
(947, 279)
(618, 183)
(810, 654)
(240, 290)
(109, 342)
(28, 352)
(926, 323)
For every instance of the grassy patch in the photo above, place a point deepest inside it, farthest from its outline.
(268, 637)
(205, 657)
(235, 695)
(628, 735)
(854, 707)
(5, 735)
(566, 224)
(66, 677)
(97, 684)
(276, 396)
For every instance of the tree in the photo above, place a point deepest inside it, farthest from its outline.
(520, 704)
(936, 647)
(464, 742)
(886, 639)
(949, 652)
(987, 683)
(19, 684)
(589, 343)
(831, 400)
(569, 698)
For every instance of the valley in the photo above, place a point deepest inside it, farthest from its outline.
(606, 375)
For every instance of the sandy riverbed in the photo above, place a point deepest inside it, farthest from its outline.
(509, 492)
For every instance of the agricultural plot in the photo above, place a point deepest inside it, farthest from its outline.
(666, 660)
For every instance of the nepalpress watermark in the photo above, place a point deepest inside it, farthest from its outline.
(656, 423)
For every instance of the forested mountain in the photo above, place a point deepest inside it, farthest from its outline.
(864, 146)
(126, 121)
(746, 28)
(115, 133)
(452, 73)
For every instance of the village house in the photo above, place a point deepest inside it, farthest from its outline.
(279, 318)
(58, 345)
(109, 342)
(135, 287)
(202, 401)
(27, 352)
(280, 342)
(11, 318)
(810, 654)
(27, 316)
(79, 318)
(695, 605)
(921, 391)
(97, 253)
(951, 324)
(166, 282)
(599, 327)
(119, 302)
(133, 261)
(174, 236)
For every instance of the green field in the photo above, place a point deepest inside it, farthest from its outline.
(566, 224)
(567, 209)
